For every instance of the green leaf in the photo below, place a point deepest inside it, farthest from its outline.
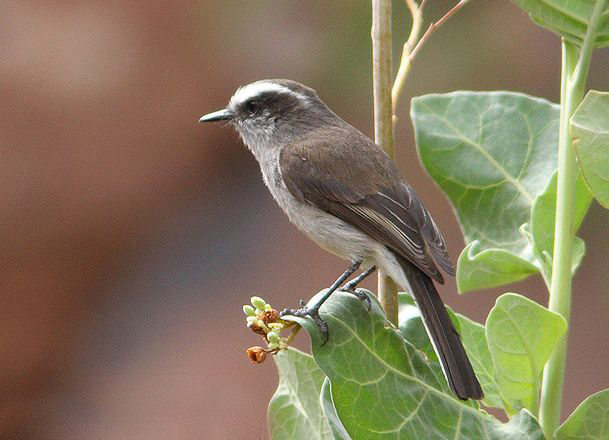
(327, 406)
(542, 223)
(521, 334)
(589, 421)
(524, 425)
(568, 18)
(478, 269)
(590, 128)
(384, 388)
(294, 410)
(474, 340)
(492, 154)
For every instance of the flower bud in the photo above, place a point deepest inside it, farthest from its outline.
(256, 355)
(272, 337)
(249, 310)
(273, 346)
(258, 302)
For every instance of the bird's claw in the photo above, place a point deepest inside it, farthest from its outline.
(360, 294)
(313, 313)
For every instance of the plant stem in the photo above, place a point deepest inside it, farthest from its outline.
(560, 285)
(383, 120)
(573, 82)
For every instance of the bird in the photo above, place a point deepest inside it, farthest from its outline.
(346, 194)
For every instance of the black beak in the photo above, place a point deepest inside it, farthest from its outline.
(220, 115)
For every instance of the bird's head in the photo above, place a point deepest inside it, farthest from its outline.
(273, 112)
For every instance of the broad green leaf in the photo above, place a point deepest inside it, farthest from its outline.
(589, 421)
(490, 268)
(327, 406)
(521, 334)
(542, 223)
(590, 128)
(568, 18)
(295, 411)
(474, 340)
(492, 154)
(384, 388)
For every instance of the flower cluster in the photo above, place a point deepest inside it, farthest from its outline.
(264, 320)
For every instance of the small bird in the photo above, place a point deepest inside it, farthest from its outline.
(344, 192)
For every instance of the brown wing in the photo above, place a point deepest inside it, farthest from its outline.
(367, 192)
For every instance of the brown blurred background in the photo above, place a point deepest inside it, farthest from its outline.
(130, 235)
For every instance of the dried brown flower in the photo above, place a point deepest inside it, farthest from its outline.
(256, 354)
(257, 329)
(269, 316)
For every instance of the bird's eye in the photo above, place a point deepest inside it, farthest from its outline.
(252, 106)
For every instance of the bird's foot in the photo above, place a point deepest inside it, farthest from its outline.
(313, 313)
(359, 293)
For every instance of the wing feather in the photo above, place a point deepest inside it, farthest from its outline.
(371, 196)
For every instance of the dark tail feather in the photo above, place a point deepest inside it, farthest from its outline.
(446, 340)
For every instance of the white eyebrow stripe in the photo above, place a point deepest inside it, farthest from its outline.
(250, 91)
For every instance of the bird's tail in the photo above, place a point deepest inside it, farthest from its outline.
(446, 341)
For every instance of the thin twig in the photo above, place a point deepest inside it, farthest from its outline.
(411, 49)
(416, 11)
(435, 25)
(295, 331)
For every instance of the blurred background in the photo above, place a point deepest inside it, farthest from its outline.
(130, 235)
